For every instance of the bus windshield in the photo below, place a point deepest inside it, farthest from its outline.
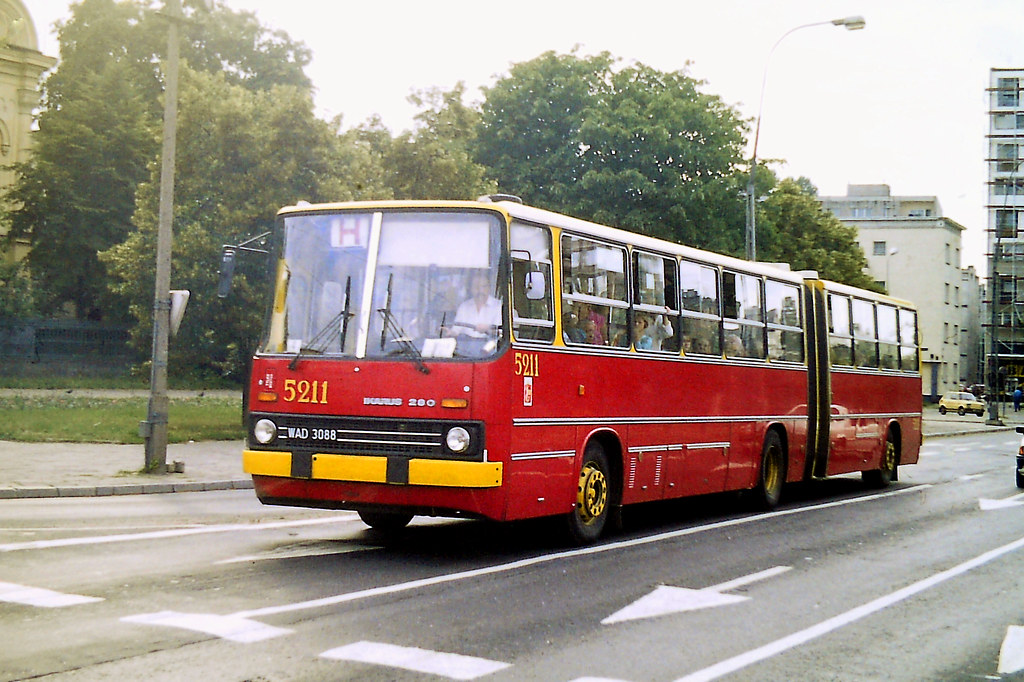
(379, 284)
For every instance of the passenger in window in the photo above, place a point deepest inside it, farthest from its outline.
(734, 346)
(571, 330)
(655, 331)
(598, 333)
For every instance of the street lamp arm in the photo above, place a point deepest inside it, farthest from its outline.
(852, 23)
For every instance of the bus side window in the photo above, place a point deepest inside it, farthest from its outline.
(743, 315)
(701, 317)
(655, 303)
(865, 346)
(840, 339)
(532, 308)
(908, 340)
(888, 337)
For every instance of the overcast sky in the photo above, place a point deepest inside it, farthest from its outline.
(901, 102)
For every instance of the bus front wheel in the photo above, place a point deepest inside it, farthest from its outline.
(590, 513)
(772, 474)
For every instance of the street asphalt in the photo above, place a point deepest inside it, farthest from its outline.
(32, 470)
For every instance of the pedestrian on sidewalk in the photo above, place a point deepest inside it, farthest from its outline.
(1016, 400)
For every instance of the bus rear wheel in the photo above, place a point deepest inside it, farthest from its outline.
(886, 471)
(772, 474)
(590, 514)
(385, 522)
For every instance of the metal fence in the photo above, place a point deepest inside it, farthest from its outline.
(63, 347)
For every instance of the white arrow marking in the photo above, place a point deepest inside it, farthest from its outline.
(1011, 654)
(452, 666)
(227, 627)
(37, 596)
(971, 477)
(989, 505)
(666, 599)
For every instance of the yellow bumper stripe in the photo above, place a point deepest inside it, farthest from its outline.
(435, 472)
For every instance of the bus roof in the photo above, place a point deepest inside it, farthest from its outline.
(548, 218)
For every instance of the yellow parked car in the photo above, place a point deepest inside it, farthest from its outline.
(962, 403)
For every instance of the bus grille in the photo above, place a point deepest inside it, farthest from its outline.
(422, 438)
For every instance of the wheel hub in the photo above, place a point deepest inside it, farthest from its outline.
(591, 494)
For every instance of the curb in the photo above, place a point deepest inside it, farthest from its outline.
(128, 489)
(969, 432)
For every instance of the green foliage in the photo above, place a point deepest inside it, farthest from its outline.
(794, 229)
(635, 147)
(99, 126)
(16, 298)
(433, 161)
(242, 154)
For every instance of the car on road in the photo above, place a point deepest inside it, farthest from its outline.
(1020, 459)
(961, 402)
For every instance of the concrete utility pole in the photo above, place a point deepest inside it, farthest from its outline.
(154, 429)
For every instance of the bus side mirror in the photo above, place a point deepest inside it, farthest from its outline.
(227, 270)
(535, 286)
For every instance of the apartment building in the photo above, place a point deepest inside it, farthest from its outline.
(913, 251)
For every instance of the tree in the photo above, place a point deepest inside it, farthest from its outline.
(634, 147)
(241, 156)
(98, 133)
(432, 161)
(795, 229)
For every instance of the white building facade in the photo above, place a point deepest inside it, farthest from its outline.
(913, 251)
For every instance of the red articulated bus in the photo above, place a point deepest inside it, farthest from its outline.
(489, 359)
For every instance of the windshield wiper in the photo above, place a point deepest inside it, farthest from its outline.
(336, 327)
(405, 344)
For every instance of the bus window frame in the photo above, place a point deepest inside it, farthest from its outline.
(782, 328)
(671, 307)
(529, 322)
(617, 318)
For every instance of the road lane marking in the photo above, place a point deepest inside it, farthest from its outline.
(546, 558)
(666, 599)
(1011, 653)
(452, 666)
(731, 665)
(163, 534)
(37, 596)
(226, 627)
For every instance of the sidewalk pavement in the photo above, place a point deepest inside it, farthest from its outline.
(33, 470)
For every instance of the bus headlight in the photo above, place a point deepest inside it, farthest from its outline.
(457, 439)
(264, 431)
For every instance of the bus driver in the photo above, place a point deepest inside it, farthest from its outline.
(480, 315)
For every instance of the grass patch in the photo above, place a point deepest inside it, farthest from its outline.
(81, 419)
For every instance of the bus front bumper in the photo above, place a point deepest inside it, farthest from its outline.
(362, 469)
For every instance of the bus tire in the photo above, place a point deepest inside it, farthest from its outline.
(587, 520)
(772, 473)
(886, 472)
(385, 522)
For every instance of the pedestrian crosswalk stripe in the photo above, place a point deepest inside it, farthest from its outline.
(452, 666)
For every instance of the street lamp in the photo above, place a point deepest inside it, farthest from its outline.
(851, 24)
